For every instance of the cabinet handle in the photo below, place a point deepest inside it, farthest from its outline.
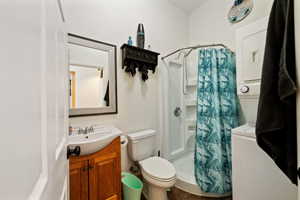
(85, 168)
(73, 151)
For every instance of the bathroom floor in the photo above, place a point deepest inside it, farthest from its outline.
(177, 194)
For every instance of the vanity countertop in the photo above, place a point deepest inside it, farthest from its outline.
(95, 140)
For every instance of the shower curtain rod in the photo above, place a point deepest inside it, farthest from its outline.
(196, 47)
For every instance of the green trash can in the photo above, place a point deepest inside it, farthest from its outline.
(132, 186)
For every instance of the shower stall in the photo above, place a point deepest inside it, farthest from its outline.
(180, 118)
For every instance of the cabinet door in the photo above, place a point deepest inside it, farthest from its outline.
(79, 181)
(105, 174)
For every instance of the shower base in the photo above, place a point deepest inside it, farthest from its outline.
(185, 176)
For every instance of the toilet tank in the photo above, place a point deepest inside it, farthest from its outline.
(141, 144)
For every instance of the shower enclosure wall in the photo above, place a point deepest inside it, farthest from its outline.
(180, 106)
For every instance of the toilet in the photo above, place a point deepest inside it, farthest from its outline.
(158, 172)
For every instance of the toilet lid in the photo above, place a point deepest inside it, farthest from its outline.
(159, 168)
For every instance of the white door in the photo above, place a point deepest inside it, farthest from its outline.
(297, 30)
(33, 101)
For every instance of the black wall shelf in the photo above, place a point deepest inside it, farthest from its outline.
(136, 58)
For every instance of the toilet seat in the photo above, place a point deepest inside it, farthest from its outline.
(158, 179)
(158, 169)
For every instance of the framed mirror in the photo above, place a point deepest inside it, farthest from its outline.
(93, 77)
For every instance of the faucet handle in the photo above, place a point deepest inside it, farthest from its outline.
(80, 131)
(91, 129)
(86, 130)
(71, 130)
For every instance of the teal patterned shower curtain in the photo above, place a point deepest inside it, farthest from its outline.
(217, 114)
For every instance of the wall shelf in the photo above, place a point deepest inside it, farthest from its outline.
(190, 102)
(136, 58)
(191, 123)
(191, 133)
(192, 82)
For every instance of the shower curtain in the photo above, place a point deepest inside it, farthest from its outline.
(217, 114)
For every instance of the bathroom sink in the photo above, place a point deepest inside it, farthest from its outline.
(93, 142)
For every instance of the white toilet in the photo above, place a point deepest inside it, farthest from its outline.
(158, 173)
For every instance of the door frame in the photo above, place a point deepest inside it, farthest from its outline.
(297, 45)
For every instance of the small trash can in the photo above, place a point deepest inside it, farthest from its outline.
(132, 186)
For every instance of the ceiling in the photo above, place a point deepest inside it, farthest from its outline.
(188, 5)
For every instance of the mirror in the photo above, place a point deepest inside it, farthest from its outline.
(92, 71)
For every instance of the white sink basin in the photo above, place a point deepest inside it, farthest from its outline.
(93, 142)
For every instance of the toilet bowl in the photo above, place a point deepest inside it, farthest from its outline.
(158, 172)
(160, 175)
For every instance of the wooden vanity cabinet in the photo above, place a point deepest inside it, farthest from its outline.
(97, 176)
(79, 180)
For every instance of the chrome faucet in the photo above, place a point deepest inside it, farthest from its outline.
(88, 130)
(85, 131)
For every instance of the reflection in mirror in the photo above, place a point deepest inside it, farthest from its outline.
(89, 77)
(92, 68)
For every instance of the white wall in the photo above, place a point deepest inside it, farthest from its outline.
(166, 29)
(208, 24)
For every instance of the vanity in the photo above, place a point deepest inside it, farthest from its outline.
(93, 151)
(97, 176)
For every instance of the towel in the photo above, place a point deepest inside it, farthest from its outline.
(106, 96)
(276, 127)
